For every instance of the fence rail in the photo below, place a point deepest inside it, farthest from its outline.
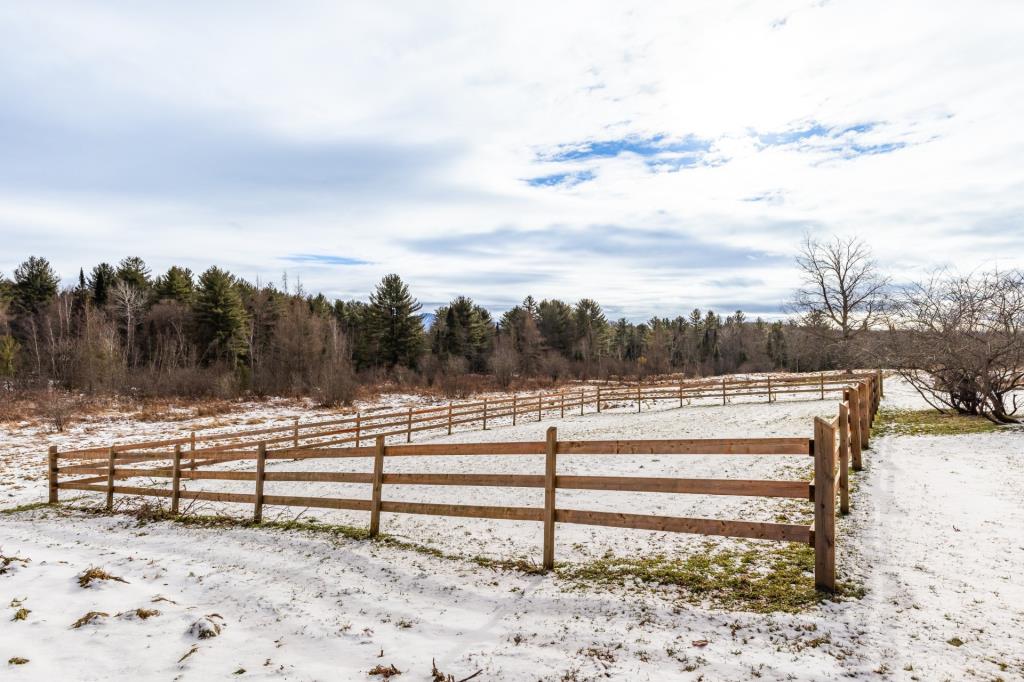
(411, 420)
(836, 445)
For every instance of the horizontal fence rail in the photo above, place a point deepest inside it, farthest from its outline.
(364, 427)
(837, 444)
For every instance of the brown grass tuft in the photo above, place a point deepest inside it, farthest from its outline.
(93, 574)
(387, 672)
(89, 619)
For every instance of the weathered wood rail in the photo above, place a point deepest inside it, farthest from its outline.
(836, 445)
(405, 422)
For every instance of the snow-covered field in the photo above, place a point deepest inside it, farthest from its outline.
(936, 537)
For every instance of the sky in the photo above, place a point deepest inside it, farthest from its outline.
(654, 156)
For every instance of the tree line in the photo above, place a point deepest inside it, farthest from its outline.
(121, 329)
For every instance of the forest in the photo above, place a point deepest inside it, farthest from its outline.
(124, 330)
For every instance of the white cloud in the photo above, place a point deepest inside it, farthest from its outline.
(199, 119)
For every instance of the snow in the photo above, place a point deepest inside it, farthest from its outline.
(936, 537)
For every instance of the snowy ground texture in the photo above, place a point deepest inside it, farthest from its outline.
(936, 537)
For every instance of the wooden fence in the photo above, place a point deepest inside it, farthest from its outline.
(836, 444)
(406, 422)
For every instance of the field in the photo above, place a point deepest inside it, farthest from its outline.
(930, 574)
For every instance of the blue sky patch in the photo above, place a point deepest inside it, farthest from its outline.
(642, 146)
(561, 179)
(324, 259)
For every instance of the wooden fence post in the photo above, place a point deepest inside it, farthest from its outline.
(485, 415)
(853, 398)
(540, 404)
(723, 390)
(582, 396)
(549, 497)
(176, 481)
(192, 449)
(449, 417)
(378, 486)
(51, 473)
(515, 405)
(562, 395)
(110, 478)
(295, 434)
(638, 398)
(599, 400)
(680, 394)
(408, 427)
(865, 415)
(881, 386)
(769, 389)
(261, 465)
(844, 458)
(359, 427)
(824, 506)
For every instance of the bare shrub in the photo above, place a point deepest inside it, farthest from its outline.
(959, 340)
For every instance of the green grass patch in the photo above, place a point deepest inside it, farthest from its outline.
(758, 579)
(25, 507)
(892, 422)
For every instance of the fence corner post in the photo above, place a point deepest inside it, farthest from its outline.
(551, 452)
(378, 485)
(261, 465)
(111, 454)
(824, 506)
(176, 481)
(51, 474)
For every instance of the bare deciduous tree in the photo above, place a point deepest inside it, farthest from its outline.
(841, 287)
(959, 340)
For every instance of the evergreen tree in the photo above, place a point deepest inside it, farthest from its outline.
(221, 322)
(463, 329)
(176, 285)
(554, 319)
(35, 285)
(396, 329)
(101, 281)
(134, 271)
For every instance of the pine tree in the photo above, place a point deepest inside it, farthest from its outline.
(101, 281)
(463, 329)
(221, 322)
(134, 271)
(176, 285)
(35, 285)
(396, 329)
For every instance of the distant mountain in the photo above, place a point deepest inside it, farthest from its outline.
(428, 320)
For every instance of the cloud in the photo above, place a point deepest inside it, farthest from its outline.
(620, 151)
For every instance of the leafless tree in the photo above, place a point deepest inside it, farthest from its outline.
(960, 341)
(129, 304)
(842, 287)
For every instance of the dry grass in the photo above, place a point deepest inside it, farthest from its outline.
(93, 574)
(21, 614)
(89, 619)
(138, 614)
(17, 660)
(387, 672)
